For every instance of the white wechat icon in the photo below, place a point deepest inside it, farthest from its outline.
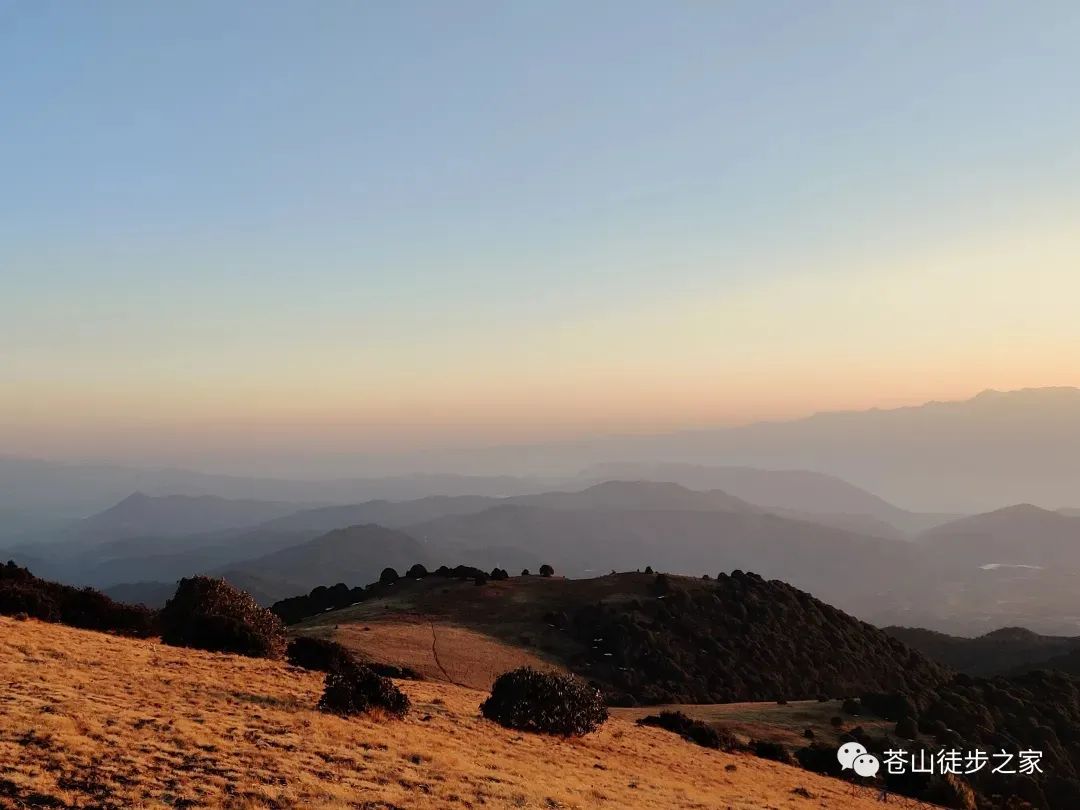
(866, 765)
(847, 754)
(855, 757)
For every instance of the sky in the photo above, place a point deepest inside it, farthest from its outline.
(376, 227)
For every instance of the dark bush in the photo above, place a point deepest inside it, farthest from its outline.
(852, 706)
(394, 671)
(695, 731)
(907, 728)
(22, 592)
(771, 750)
(648, 569)
(819, 758)
(210, 614)
(836, 721)
(17, 598)
(388, 576)
(417, 572)
(545, 702)
(498, 574)
(480, 579)
(525, 572)
(320, 600)
(358, 689)
(319, 654)
(546, 571)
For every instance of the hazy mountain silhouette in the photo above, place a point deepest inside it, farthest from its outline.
(641, 495)
(37, 495)
(1004, 651)
(392, 514)
(353, 555)
(796, 493)
(966, 456)
(140, 515)
(851, 570)
(1021, 535)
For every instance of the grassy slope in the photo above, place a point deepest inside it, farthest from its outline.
(95, 720)
(478, 631)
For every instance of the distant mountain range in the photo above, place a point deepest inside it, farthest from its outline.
(955, 457)
(961, 457)
(959, 574)
(140, 515)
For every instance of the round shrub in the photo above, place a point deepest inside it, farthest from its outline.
(357, 689)
(388, 576)
(319, 654)
(416, 572)
(210, 614)
(547, 571)
(545, 702)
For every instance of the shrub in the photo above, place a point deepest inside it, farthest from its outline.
(480, 579)
(648, 569)
(394, 671)
(525, 572)
(388, 576)
(546, 571)
(319, 654)
(416, 572)
(819, 758)
(19, 599)
(498, 574)
(545, 702)
(836, 721)
(210, 614)
(320, 600)
(358, 689)
(86, 608)
(771, 750)
(695, 731)
(906, 728)
(852, 706)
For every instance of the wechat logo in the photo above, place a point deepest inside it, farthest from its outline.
(854, 757)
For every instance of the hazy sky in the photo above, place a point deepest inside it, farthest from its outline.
(363, 225)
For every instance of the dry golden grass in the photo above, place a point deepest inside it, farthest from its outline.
(91, 720)
(440, 652)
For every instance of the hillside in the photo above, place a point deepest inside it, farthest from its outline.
(860, 574)
(355, 554)
(647, 639)
(91, 720)
(1009, 650)
(1016, 536)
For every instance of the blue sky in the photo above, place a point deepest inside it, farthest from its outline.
(487, 219)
